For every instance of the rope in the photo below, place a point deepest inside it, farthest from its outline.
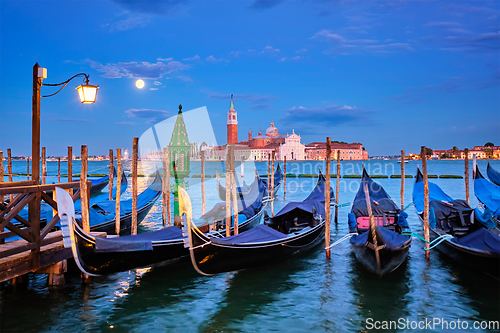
(344, 238)
(345, 204)
(432, 244)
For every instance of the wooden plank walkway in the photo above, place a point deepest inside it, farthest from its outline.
(52, 251)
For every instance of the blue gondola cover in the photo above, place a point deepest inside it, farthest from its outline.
(481, 239)
(141, 242)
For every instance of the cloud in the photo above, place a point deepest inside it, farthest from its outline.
(158, 7)
(297, 58)
(302, 50)
(250, 98)
(126, 123)
(282, 59)
(157, 83)
(130, 22)
(442, 24)
(331, 116)
(196, 57)
(270, 49)
(146, 113)
(343, 45)
(164, 59)
(74, 120)
(153, 88)
(260, 107)
(139, 70)
(262, 5)
(211, 58)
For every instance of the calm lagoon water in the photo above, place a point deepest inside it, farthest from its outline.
(308, 293)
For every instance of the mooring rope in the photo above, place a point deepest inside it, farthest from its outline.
(432, 244)
(344, 238)
(345, 204)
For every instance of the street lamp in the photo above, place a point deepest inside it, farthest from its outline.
(87, 95)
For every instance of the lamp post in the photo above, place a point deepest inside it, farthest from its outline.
(87, 95)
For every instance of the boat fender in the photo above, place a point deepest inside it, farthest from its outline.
(351, 219)
(432, 218)
(402, 222)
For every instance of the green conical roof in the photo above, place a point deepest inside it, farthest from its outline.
(231, 107)
(179, 135)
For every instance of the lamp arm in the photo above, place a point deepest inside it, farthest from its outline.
(86, 80)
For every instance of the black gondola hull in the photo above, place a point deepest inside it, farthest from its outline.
(163, 253)
(215, 258)
(482, 261)
(390, 260)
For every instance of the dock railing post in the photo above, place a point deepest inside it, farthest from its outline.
(111, 169)
(423, 155)
(228, 191)
(402, 179)
(70, 168)
(327, 197)
(203, 197)
(133, 229)
(1, 177)
(118, 189)
(466, 151)
(84, 190)
(337, 189)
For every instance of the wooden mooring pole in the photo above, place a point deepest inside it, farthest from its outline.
(423, 155)
(402, 179)
(284, 187)
(44, 166)
(166, 189)
(118, 190)
(28, 168)
(203, 196)
(372, 227)
(228, 191)
(233, 191)
(111, 169)
(70, 167)
(327, 197)
(84, 190)
(272, 183)
(268, 173)
(466, 151)
(133, 229)
(337, 189)
(58, 170)
(9, 170)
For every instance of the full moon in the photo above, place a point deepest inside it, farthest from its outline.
(139, 84)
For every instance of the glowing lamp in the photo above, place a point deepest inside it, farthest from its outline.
(87, 93)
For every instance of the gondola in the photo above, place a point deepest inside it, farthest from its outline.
(390, 222)
(488, 194)
(46, 211)
(470, 242)
(241, 190)
(297, 228)
(493, 175)
(102, 214)
(99, 256)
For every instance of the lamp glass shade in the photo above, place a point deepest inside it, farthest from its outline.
(87, 93)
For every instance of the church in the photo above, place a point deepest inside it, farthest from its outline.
(258, 148)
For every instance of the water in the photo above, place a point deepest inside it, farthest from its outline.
(308, 293)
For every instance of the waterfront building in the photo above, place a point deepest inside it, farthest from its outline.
(348, 151)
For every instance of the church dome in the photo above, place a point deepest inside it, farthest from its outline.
(272, 131)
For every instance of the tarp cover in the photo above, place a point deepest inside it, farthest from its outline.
(261, 233)
(315, 200)
(484, 217)
(278, 176)
(140, 242)
(493, 175)
(381, 202)
(489, 194)
(392, 240)
(481, 239)
(435, 193)
(442, 209)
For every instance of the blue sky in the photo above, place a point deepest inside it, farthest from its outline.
(390, 74)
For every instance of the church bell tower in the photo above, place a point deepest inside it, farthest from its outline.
(232, 124)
